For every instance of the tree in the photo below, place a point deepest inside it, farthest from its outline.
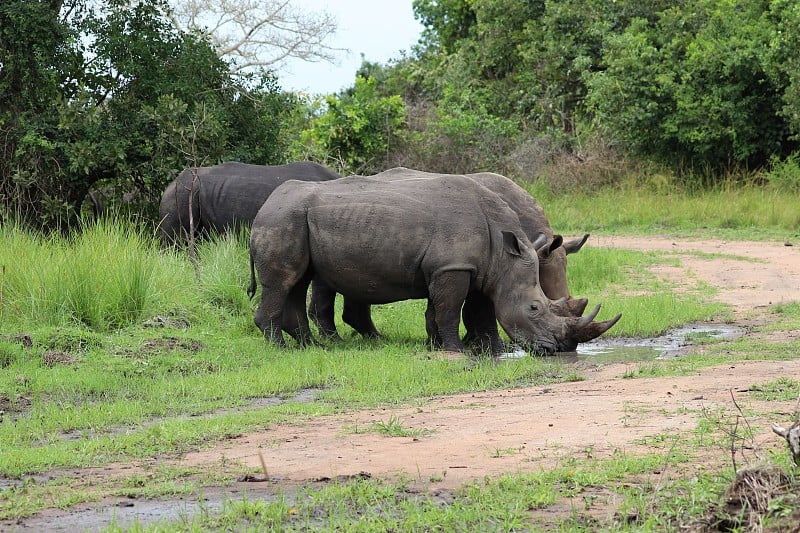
(693, 88)
(257, 33)
(127, 105)
(359, 127)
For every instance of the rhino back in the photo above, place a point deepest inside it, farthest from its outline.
(530, 213)
(382, 240)
(230, 194)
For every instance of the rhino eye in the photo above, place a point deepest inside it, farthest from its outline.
(534, 307)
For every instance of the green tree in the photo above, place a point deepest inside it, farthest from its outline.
(126, 101)
(359, 127)
(693, 87)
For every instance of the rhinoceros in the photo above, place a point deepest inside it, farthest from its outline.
(227, 196)
(377, 241)
(551, 250)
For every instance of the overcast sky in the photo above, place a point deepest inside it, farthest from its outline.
(379, 29)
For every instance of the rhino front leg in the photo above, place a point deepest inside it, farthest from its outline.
(447, 292)
(481, 324)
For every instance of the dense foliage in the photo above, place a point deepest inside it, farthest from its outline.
(708, 85)
(107, 95)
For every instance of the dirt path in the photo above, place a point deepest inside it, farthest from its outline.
(492, 432)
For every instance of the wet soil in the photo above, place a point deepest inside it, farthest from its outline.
(466, 437)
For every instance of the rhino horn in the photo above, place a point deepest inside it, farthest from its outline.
(586, 329)
(569, 307)
(573, 246)
(577, 306)
(586, 320)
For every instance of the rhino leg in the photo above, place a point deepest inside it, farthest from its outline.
(284, 285)
(321, 310)
(447, 291)
(268, 319)
(481, 324)
(434, 339)
(357, 315)
(294, 319)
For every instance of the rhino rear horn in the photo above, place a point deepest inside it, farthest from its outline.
(577, 306)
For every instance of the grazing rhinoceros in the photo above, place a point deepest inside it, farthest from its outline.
(551, 249)
(225, 197)
(378, 241)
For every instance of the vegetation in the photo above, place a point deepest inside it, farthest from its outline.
(626, 116)
(169, 360)
(109, 97)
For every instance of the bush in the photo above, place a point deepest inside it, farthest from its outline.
(784, 174)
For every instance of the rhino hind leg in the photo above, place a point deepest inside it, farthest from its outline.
(434, 339)
(294, 319)
(358, 316)
(269, 320)
(321, 309)
(282, 306)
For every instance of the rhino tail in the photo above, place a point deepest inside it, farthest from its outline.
(251, 290)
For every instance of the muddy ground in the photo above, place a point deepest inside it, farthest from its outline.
(469, 436)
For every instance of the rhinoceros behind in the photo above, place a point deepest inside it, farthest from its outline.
(551, 249)
(378, 241)
(225, 197)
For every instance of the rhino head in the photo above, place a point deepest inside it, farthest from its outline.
(525, 312)
(553, 270)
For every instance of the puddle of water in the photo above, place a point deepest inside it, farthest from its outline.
(631, 350)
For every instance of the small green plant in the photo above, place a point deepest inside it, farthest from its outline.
(782, 389)
(784, 174)
(506, 452)
(393, 427)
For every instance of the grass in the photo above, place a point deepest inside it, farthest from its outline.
(730, 211)
(112, 349)
(393, 427)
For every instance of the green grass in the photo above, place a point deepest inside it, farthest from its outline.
(731, 212)
(393, 427)
(112, 349)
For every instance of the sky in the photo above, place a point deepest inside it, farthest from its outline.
(379, 29)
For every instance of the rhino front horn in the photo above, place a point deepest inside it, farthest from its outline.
(586, 329)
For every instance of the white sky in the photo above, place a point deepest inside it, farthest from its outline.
(379, 29)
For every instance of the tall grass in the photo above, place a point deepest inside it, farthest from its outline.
(743, 211)
(105, 277)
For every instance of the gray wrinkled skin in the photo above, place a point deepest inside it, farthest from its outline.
(376, 241)
(552, 253)
(225, 197)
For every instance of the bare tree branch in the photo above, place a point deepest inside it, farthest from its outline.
(258, 33)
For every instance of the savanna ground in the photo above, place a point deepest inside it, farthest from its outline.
(443, 443)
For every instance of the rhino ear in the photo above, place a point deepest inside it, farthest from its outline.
(511, 243)
(544, 248)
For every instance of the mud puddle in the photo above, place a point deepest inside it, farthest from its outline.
(672, 344)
